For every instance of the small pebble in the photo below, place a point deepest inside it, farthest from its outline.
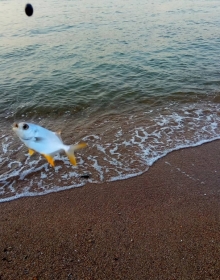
(86, 176)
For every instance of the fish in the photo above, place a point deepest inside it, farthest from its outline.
(45, 142)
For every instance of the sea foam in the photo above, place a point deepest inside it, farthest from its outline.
(119, 147)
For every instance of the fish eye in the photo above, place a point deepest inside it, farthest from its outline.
(25, 126)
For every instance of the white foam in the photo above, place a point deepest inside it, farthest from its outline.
(114, 152)
(43, 175)
(5, 145)
(29, 194)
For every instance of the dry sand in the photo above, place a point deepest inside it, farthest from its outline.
(164, 224)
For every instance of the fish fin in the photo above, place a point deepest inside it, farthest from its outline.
(72, 148)
(37, 139)
(80, 146)
(31, 152)
(58, 133)
(72, 158)
(50, 159)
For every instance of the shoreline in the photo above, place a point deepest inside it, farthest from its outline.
(163, 224)
(126, 177)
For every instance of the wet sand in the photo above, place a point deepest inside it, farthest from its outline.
(164, 224)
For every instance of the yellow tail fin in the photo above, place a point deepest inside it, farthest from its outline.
(72, 148)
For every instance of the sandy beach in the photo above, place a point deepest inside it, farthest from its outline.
(164, 224)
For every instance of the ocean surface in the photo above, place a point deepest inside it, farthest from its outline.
(134, 79)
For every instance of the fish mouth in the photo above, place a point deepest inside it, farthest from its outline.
(15, 126)
(25, 139)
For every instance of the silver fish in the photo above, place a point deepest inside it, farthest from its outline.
(46, 142)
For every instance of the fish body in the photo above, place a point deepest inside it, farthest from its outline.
(44, 141)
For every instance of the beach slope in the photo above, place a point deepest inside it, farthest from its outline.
(164, 224)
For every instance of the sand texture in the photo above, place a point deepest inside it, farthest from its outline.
(164, 224)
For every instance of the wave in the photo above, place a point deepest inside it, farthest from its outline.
(120, 146)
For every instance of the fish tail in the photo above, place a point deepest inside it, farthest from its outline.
(71, 149)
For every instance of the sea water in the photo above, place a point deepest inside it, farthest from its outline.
(134, 79)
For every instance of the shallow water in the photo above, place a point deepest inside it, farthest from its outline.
(134, 80)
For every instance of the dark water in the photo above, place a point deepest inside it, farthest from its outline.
(135, 80)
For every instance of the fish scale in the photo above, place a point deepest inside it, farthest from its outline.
(46, 142)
